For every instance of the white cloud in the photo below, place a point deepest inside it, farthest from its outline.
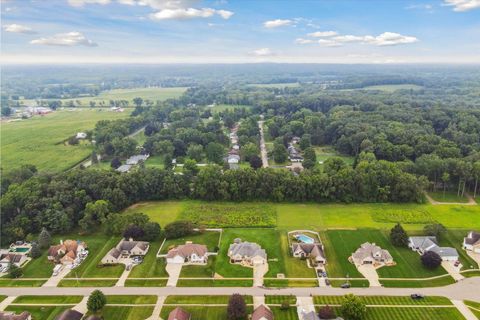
(81, 3)
(462, 5)
(277, 23)
(66, 39)
(349, 38)
(384, 39)
(329, 43)
(322, 34)
(390, 39)
(189, 13)
(17, 28)
(262, 52)
(304, 41)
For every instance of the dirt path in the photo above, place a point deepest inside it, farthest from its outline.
(471, 201)
(263, 148)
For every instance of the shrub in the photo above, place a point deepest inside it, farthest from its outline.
(14, 272)
(178, 229)
(35, 251)
(237, 308)
(44, 239)
(327, 312)
(285, 305)
(431, 260)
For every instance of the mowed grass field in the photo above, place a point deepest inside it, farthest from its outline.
(393, 87)
(320, 217)
(39, 140)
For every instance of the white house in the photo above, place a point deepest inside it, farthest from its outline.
(472, 242)
(81, 135)
(424, 244)
(126, 249)
(188, 253)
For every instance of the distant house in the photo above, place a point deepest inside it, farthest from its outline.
(472, 242)
(67, 252)
(70, 314)
(233, 158)
(294, 154)
(236, 147)
(124, 168)
(126, 249)
(134, 160)
(13, 258)
(246, 253)
(428, 243)
(7, 315)
(369, 253)
(81, 135)
(295, 140)
(179, 314)
(309, 250)
(188, 253)
(262, 313)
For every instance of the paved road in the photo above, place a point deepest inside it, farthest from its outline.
(467, 289)
(263, 148)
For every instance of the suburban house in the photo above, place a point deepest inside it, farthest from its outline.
(188, 253)
(126, 249)
(7, 315)
(369, 253)
(81, 135)
(134, 160)
(262, 313)
(309, 250)
(179, 314)
(70, 314)
(67, 252)
(472, 242)
(233, 158)
(429, 243)
(246, 253)
(124, 168)
(293, 154)
(13, 258)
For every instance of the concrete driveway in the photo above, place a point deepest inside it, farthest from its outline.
(474, 256)
(452, 270)
(370, 273)
(259, 271)
(173, 270)
(54, 280)
(304, 306)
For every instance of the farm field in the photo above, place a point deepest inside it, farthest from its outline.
(39, 140)
(291, 216)
(393, 87)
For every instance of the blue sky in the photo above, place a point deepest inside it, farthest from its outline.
(230, 31)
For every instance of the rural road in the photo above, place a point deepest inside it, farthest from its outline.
(466, 289)
(263, 148)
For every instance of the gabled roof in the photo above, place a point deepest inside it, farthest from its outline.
(445, 251)
(314, 249)
(368, 249)
(179, 314)
(472, 238)
(246, 249)
(127, 245)
(186, 250)
(262, 312)
(12, 257)
(424, 243)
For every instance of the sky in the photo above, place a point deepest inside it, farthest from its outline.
(240, 31)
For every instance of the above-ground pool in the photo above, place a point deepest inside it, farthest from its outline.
(303, 238)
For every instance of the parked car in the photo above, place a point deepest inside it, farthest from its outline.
(346, 285)
(417, 296)
(457, 263)
(327, 282)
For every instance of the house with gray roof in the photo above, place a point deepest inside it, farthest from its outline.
(124, 168)
(134, 160)
(472, 242)
(370, 253)
(429, 243)
(309, 250)
(246, 253)
(126, 249)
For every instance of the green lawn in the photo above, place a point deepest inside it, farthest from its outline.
(86, 283)
(325, 152)
(202, 300)
(39, 312)
(155, 162)
(280, 299)
(208, 238)
(151, 267)
(438, 282)
(294, 267)
(384, 300)
(447, 197)
(193, 271)
(146, 283)
(48, 299)
(289, 314)
(162, 212)
(127, 299)
(39, 140)
(98, 246)
(214, 283)
(126, 313)
(427, 313)
(5, 282)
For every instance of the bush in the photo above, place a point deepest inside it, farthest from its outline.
(178, 229)
(431, 260)
(285, 305)
(327, 312)
(237, 308)
(14, 272)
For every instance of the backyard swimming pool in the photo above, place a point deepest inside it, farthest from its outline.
(19, 249)
(303, 238)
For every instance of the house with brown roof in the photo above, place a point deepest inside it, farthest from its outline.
(126, 249)
(7, 315)
(13, 258)
(472, 242)
(188, 253)
(309, 250)
(70, 314)
(67, 252)
(262, 313)
(179, 314)
(369, 253)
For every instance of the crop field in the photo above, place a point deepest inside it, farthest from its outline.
(40, 139)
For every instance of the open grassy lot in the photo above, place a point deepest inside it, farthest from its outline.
(146, 282)
(48, 299)
(214, 283)
(6, 282)
(340, 244)
(393, 87)
(399, 313)
(39, 312)
(39, 140)
(325, 152)
(98, 246)
(208, 238)
(226, 214)
(289, 314)
(447, 197)
(162, 212)
(384, 300)
(437, 282)
(126, 313)
(86, 283)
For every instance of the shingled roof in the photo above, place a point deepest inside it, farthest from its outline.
(179, 314)
(187, 250)
(262, 312)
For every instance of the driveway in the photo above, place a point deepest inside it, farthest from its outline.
(370, 273)
(452, 270)
(304, 306)
(173, 270)
(263, 148)
(123, 277)
(54, 280)
(258, 271)
(466, 312)
(474, 256)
